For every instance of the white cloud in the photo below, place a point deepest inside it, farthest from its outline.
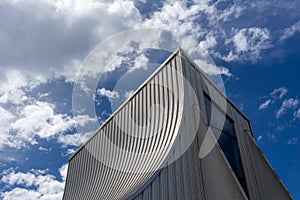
(35, 120)
(20, 193)
(125, 10)
(290, 31)
(62, 32)
(39, 119)
(107, 93)
(281, 91)
(277, 93)
(44, 149)
(63, 171)
(140, 61)
(212, 69)
(246, 44)
(75, 139)
(175, 16)
(39, 171)
(184, 22)
(50, 37)
(265, 104)
(6, 118)
(14, 85)
(69, 152)
(33, 185)
(231, 13)
(209, 42)
(251, 40)
(287, 104)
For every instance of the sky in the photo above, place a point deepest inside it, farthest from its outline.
(54, 53)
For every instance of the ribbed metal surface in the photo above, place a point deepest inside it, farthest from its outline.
(99, 171)
(103, 168)
(186, 178)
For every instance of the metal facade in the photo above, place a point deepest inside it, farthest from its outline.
(170, 167)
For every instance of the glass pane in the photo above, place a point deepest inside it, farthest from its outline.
(228, 127)
(219, 120)
(214, 116)
(230, 149)
(225, 134)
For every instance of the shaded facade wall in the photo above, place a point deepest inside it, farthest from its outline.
(178, 173)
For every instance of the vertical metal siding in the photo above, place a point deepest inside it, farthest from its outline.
(188, 177)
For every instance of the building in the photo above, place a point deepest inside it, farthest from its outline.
(176, 137)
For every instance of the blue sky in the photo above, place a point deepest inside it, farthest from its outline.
(44, 44)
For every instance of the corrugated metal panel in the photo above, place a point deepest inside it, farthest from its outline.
(98, 171)
(113, 183)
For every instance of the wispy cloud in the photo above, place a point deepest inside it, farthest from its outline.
(277, 93)
(287, 104)
(265, 104)
(44, 149)
(75, 139)
(281, 91)
(290, 31)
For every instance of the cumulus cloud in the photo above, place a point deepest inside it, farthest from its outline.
(35, 120)
(55, 49)
(25, 118)
(287, 104)
(209, 42)
(75, 139)
(41, 49)
(140, 61)
(63, 172)
(55, 39)
(212, 69)
(34, 185)
(49, 42)
(107, 93)
(6, 118)
(51, 38)
(191, 35)
(39, 119)
(290, 31)
(250, 42)
(15, 84)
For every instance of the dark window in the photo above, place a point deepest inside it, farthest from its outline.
(223, 128)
